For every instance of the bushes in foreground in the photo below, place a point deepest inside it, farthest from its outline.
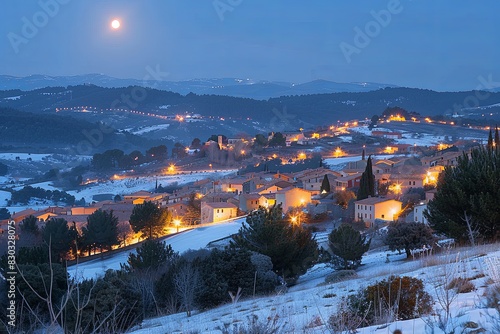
(397, 298)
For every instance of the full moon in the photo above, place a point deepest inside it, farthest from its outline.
(115, 24)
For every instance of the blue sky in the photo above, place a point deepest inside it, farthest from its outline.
(441, 45)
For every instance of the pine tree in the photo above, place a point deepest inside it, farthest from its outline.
(292, 249)
(367, 182)
(147, 218)
(56, 234)
(408, 236)
(347, 246)
(468, 197)
(101, 230)
(325, 185)
(150, 256)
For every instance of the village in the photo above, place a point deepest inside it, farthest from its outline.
(326, 192)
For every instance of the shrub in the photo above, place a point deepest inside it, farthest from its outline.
(492, 294)
(395, 298)
(461, 285)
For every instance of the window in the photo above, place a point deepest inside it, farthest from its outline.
(365, 215)
(383, 216)
(217, 210)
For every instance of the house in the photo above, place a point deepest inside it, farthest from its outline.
(292, 197)
(216, 212)
(292, 136)
(19, 216)
(448, 158)
(138, 197)
(312, 181)
(371, 208)
(347, 182)
(83, 210)
(234, 185)
(418, 213)
(177, 209)
(252, 201)
(273, 186)
(284, 176)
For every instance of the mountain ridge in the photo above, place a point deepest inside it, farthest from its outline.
(236, 87)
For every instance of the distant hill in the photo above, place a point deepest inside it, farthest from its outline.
(34, 131)
(294, 110)
(256, 89)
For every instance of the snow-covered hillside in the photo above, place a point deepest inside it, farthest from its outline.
(191, 239)
(130, 185)
(306, 307)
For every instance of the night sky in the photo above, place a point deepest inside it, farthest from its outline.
(440, 45)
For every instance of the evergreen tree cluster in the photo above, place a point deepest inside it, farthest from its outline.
(467, 202)
(347, 246)
(408, 236)
(292, 249)
(24, 195)
(116, 158)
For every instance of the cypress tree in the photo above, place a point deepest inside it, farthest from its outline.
(325, 185)
(367, 182)
(490, 140)
(497, 137)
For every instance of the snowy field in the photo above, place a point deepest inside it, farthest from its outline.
(306, 307)
(130, 185)
(191, 239)
(151, 129)
(42, 157)
(421, 140)
(4, 197)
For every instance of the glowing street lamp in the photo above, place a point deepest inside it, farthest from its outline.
(171, 169)
(177, 223)
(338, 152)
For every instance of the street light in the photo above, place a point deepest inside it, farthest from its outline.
(177, 223)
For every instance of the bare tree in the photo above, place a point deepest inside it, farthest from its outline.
(187, 284)
(468, 220)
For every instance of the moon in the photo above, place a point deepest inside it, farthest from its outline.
(115, 24)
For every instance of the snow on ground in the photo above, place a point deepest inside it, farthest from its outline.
(151, 129)
(4, 197)
(43, 157)
(44, 185)
(306, 307)
(23, 156)
(190, 239)
(130, 185)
